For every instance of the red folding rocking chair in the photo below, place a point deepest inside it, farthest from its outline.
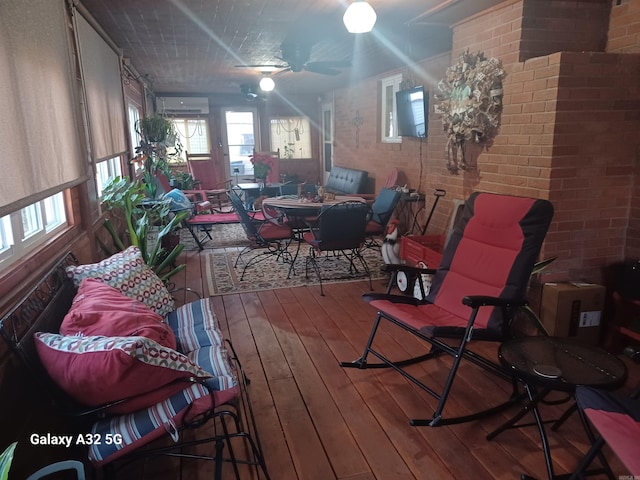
(477, 289)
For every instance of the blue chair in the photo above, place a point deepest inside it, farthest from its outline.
(382, 211)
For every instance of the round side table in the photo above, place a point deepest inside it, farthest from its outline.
(546, 364)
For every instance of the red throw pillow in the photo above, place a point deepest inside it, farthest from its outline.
(100, 370)
(99, 309)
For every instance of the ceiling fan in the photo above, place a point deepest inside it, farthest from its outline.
(296, 59)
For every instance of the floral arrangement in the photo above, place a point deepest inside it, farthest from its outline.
(262, 165)
(470, 99)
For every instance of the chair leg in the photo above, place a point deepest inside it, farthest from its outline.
(293, 261)
(312, 258)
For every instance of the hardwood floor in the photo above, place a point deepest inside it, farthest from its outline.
(318, 421)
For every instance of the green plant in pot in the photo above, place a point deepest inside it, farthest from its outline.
(157, 135)
(183, 181)
(127, 197)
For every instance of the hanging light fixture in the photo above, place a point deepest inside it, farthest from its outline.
(360, 17)
(267, 84)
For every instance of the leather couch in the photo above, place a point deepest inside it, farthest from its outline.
(343, 180)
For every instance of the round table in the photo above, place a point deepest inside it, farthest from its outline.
(561, 363)
(544, 364)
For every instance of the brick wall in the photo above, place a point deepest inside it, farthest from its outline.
(624, 27)
(597, 129)
(624, 37)
(570, 130)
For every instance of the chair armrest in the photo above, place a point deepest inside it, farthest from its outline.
(399, 267)
(476, 301)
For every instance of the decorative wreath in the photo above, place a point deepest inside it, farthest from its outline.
(470, 99)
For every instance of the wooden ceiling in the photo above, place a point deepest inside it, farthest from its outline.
(193, 46)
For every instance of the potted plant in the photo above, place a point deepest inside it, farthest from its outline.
(183, 180)
(141, 216)
(157, 134)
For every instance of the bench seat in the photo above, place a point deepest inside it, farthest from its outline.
(199, 338)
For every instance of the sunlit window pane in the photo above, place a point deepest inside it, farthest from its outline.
(6, 235)
(31, 220)
(291, 135)
(54, 211)
(134, 116)
(193, 134)
(107, 171)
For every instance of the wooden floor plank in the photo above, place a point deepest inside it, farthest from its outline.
(320, 421)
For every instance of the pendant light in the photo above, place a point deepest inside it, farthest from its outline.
(360, 17)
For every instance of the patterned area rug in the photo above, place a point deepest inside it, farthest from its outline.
(271, 273)
(223, 236)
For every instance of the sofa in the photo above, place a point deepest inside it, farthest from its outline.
(110, 345)
(346, 181)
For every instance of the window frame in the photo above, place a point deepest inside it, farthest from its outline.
(51, 219)
(391, 82)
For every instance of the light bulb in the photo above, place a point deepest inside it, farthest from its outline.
(267, 84)
(360, 17)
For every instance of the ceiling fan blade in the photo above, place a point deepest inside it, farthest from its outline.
(329, 64)
(311, 67)
(287, 69)
(262, 65)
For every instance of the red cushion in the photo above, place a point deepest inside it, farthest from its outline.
(99, 309)
(214, 218)
(99, 370)
(485, 255)
(270, 231)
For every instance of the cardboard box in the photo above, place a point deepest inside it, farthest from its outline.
(573, 310)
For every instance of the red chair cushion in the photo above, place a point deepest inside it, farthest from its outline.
(488, 255)
(617, 419)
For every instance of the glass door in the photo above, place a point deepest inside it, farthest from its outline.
(241, 127)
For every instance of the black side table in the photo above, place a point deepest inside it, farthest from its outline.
(545, 364)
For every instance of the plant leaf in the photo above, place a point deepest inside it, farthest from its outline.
(539, 266)
(5, 461)
(531, 315)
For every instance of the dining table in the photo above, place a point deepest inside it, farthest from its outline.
(301, 213)
(292, 204)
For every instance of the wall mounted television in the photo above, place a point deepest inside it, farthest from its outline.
(412, 107)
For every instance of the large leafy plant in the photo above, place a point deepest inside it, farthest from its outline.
(123, 195)
(5, 461)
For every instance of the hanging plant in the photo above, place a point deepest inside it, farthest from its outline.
(157, 133)
(470, 102)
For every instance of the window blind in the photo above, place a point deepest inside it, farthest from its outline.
(39, 128)
(103, 90)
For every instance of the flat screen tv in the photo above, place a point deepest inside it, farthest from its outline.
(412, 106)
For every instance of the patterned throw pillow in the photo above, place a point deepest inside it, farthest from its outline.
(98, 370)
(127, 272)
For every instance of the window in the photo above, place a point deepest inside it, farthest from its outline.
(291, 135)
(22, 231)
(193, 134)
(241, 130)
(107, 171)
(134, 136)
(388, 121)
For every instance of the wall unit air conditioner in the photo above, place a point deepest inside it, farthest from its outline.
(182, 105)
